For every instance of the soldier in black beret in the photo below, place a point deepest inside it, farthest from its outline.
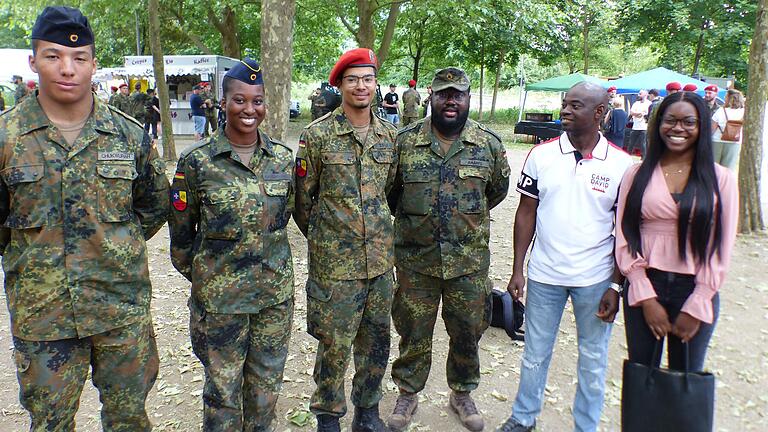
(85, 179)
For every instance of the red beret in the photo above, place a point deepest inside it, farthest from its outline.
(674, 85)
(612, 88)
(690, 87)
(123, 85)
(31, 84)
(412, 83)
(357, 57)
(711, 87)
(113, 88)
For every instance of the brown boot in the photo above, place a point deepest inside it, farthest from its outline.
(463, 405)
(405, 408)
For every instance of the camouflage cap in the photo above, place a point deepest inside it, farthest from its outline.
(450, 78)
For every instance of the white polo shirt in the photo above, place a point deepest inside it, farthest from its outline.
(575, 217)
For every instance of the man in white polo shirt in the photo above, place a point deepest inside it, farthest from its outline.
(568, 190)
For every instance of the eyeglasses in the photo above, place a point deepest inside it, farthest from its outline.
(687, 123)
(353, 80)
(455, 95)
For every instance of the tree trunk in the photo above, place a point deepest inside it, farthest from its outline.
(417, 63)
(366, 35)
(496, 83)
(697, 57)
(389, 31)
(277, 18)
(169, 146)
(585, 33)
(750, 212)
(482, 76)
(227, 27)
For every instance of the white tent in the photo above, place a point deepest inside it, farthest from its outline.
(15, 62)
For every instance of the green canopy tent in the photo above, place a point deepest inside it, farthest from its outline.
(556, 84)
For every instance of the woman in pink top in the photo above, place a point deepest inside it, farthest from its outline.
(677, 215)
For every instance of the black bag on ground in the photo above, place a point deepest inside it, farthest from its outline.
(508, 314)
(663, 400)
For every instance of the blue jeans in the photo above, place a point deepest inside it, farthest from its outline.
(544, 309)
(393, 118)
(199, 124)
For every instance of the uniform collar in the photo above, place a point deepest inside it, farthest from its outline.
(34, 117)
(341, 125)
(471, 134)
(220, 143)
(599, 152)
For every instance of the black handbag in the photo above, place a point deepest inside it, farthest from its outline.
(663, 400)
(508, 313)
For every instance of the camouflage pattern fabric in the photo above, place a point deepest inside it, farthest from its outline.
(342, 182)
(442, 223)
(137, 103)
(121, 102)
(466, 313)
(74, 222)
(411, 103)
(341, 315)
(228, 225)
(244, 356)
(210, 111)
(19, 93)
(52, 374)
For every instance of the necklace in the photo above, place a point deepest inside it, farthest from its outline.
(669, 173)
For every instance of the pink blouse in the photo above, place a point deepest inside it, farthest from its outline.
(658, 233)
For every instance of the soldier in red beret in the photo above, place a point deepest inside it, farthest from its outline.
(411, 103)
(690, 87)
(345, 166)
(710, 97)
(673, 87)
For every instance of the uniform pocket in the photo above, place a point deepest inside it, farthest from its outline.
(339, 177)
(419, 190)
(115, 191)
(472, 189)
(383, 156)
(29, 206)
(221, 215)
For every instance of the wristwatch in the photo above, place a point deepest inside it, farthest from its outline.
(616, 287)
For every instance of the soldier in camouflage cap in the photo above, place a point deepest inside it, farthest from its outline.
(452, 172)
(81, 190)
(232, 196)
(344, 168)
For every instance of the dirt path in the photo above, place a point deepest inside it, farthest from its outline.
(738, 354)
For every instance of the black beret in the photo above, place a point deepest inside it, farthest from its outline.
(64, 26)
(247, 71)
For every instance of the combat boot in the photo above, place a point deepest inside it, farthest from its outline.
(463, 405)
(405, 408)
(328, 423)
(368, 420)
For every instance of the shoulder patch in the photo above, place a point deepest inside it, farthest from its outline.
(489, 130)
(319, 119)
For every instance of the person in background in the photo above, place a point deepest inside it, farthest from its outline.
(690, 87)
(655, 99)
(31, 87)
(673, 87)
(152, 108)
(727, 125)
(616, 123)
(20, 90)
(122, 99)
(196, 103)
(677, 217)
(639, 113)
(411, 102)
(232, 198)
(427, 104)
(391, 104)
(710, 97)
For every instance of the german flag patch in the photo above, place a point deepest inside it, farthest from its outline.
(301, 167)
(178, 176)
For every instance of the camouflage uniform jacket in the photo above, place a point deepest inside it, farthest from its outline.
(341, 197)
(411, 102)
(442, 222)
(75, 220)
(228, 225)
(121, 102)
(19, 93)
(206, 95)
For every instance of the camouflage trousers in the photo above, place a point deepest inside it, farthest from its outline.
(244, 356)
(408, 120)
(210, 123)
(344, 315)
(52, 374)
(466, 313)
